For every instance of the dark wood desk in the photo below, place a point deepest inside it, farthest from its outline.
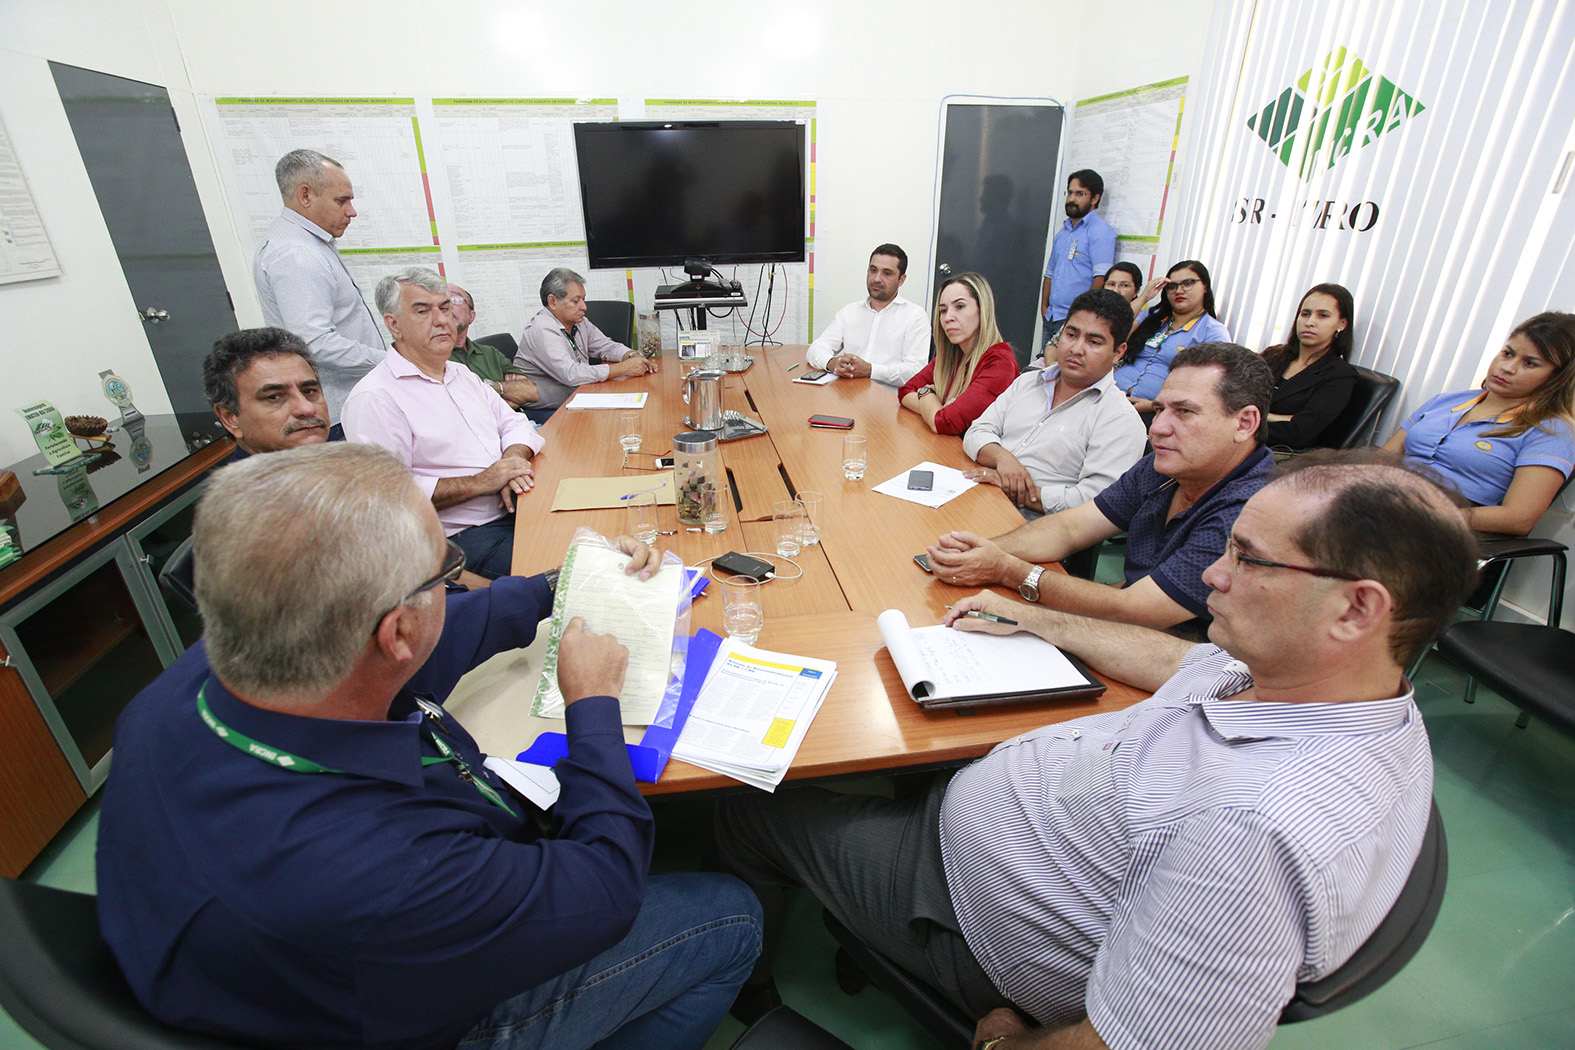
(862, 566)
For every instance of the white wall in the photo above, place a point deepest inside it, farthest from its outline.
(878, 72)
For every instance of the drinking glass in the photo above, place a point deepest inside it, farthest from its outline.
(642, 517)
(629, 431)
(742, 616)
(713, 508)
(855, 456)
(809, 529)
(789, 517)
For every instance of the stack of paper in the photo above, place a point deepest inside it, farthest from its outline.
(588, 400)
(752, 713)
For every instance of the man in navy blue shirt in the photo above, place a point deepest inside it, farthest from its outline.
(1176, 505)
(299, 847)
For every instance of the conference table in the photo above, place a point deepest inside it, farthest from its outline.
(862, 566)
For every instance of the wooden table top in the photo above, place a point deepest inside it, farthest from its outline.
(862, 566)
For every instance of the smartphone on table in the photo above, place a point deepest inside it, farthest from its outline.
(831, 422)
(921, 480)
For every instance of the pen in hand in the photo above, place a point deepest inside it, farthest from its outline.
(989, 616)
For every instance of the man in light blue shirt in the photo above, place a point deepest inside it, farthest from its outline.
(1084, 248)
(302, 283)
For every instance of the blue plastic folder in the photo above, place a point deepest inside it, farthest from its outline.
(648, 757)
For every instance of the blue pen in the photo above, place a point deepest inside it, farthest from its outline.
(642, 492)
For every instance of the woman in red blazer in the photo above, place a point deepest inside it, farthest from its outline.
(972, 365)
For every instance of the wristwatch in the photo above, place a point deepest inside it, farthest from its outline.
(923, 390)
(1029, 588)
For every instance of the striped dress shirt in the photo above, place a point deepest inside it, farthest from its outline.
(1175, 869)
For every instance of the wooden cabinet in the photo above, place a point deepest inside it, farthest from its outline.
(83, 627)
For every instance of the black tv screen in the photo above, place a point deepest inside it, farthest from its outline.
(656, 193)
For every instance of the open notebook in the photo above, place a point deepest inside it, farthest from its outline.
(944, 667)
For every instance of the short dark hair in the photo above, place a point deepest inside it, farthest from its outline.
(896, 253)
(1388, 522)
(1108, 307)
(233, 354)
(1090, 180)
(1130, 269)
(1247, 380)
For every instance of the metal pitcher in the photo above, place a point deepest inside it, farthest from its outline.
(705, 403)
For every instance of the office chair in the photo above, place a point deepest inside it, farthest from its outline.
(502, 341)
(782, 1028)
(1381, 956)
(178, 576)
(1530, 665)
(1356, 424)
(614, 317)
(59, 981)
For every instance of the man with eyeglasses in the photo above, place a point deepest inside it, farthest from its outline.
(1167, 874)
(491, 365)
(1176, 505)
(300, 847)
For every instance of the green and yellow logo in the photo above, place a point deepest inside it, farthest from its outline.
(1331, 111)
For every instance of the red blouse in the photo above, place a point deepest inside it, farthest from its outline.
(997, 368)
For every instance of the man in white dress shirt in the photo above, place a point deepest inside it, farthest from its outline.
(303, 284)
(884, 337)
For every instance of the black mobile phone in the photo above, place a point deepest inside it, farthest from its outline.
(831, 422)
(921, 480)
(814, 374)
(735, 564)
(923, 562)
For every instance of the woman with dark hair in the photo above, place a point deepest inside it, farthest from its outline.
(972, 365)
(1184, 317)
(1125, 279)
(1509, 448)
(1313, 377)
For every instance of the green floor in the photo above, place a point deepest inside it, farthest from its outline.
(1498, 972)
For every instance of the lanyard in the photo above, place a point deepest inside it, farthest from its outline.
(296, 764)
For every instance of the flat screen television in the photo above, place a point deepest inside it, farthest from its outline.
(667, 193)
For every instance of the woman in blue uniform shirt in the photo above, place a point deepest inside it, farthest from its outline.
(1184, 317)
(1509, 448)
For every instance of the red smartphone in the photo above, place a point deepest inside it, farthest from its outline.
(831, 422)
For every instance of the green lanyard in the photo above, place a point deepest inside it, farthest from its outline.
(297, 764)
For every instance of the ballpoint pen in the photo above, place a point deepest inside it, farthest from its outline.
(989, 616)
(642, 492)
(793, 365)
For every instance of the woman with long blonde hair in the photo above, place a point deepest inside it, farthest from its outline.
(973, 365)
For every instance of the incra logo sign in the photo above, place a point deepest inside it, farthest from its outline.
(1331, 111)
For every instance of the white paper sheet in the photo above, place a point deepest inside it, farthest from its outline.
(584, 400)
(949, 484)
(537, 783)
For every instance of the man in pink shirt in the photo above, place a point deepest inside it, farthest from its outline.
(469, 451)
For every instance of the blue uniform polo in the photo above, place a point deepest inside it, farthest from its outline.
(1081, 251)
(1146, 366)
(1480, 466)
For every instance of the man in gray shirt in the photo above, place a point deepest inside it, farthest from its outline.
(560, 349)
(302, 283)
(1057, 438)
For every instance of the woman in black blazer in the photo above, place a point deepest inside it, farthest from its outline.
(1313, 380)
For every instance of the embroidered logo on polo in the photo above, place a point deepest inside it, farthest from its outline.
(1485, 446)
(1334, 108)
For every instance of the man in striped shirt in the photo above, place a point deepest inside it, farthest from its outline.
(1164, 876)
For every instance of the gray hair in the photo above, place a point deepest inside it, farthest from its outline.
(557, 283)
(388, 288)
(302, 166)
(298, 553)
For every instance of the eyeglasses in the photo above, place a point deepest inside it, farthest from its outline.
(1237, 559)
(448, 572)
(1184, 286)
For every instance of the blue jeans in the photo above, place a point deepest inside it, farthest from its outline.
(667, 984)
(489, 548)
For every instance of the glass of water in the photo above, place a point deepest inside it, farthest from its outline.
(809, 528)
(788, 514)
(629, 431)
(642, 516)
(713, 508)
(742, 616)
(855, 456)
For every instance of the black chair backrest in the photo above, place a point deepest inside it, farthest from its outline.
(501, 340)
(1353, 427)
(179, 574)
(60, 982)
(614, 317)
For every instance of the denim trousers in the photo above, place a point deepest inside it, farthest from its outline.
(667, 984)
(489, 548)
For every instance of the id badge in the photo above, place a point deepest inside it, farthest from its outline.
(1072, 252)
